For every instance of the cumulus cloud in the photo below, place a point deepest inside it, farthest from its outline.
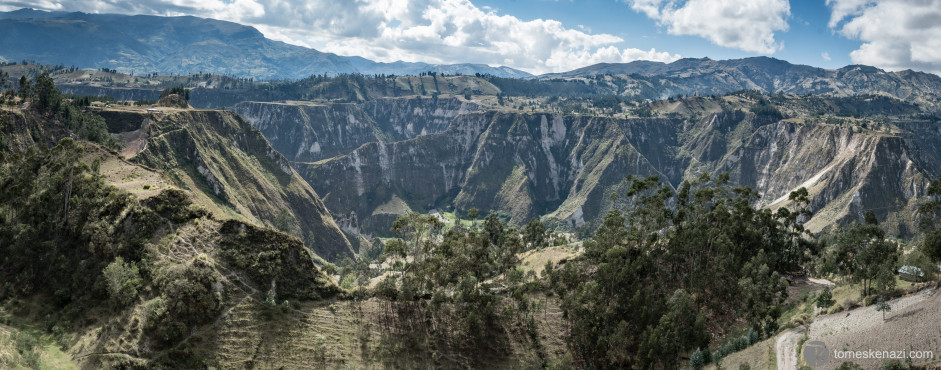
(433, 31)
(825, 55)
(896, 34)
(748, 25)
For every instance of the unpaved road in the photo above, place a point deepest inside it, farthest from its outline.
(786, 348)
(913, 323)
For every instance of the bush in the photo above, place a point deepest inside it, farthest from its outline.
(187, 299)
(825, 299)
(699, 359)
(835, 308)
(850, 304)
(849, 366)
(123, 281)
(753, 337)
(892, 365)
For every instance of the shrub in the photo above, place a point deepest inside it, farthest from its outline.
(849, 366)
(753, 337)
(892, 365)
(698, 359)
(187, 299)
(835, 308)
(825, 299)
(123, 281)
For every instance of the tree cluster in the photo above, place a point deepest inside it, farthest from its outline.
(462, 275)
(652, 279)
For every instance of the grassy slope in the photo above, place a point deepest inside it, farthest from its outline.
(229, 166)
(351, 334)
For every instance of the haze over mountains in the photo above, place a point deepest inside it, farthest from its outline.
(143, 44)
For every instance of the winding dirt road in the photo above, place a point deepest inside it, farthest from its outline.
(912, 321)
(786, 348)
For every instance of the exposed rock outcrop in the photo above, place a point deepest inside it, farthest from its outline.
(232, 168)
(565, 167)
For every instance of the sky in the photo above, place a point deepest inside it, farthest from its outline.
(542, 36)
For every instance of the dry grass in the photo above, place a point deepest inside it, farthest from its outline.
(535, 260)
(758, 356)
(913, 324)
(135, 179)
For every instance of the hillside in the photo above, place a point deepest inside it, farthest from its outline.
(706, 77)
(632, 82)
(183, 45)
(230, 167)
(563, 167)
(180, 267)
(165, 281)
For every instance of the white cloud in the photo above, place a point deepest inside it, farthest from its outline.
(825, 56)
(433, 31)
(748, 25)
(896, 34)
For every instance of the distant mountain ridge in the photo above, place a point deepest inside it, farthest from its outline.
(690, 76)
(144, 44)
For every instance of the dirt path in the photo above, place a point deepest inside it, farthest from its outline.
(823, 282)
(911, 324)
(786, 348)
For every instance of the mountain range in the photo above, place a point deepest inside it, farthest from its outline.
(142, 44)
(161, 209)
(704, 76)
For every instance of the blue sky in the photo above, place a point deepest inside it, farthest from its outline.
(541, 36)
(803, 43)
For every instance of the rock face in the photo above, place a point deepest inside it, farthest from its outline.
(311, 132)
(231, 167)
(564, 168)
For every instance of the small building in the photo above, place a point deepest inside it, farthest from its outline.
(911, 273)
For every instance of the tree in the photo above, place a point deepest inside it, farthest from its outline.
(825, 299)
(862, 253)
(679, 330)
(699, 359)
(883, 307)
(762, 291)
(493, 227)
(25, 88)
(178, 90)
(47, 95)
(509, 249)
(123, 281)
(534, 235)
(615, 295)
(929, 212)
(870, 218)
(473, 213)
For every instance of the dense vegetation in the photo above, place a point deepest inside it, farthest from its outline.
(71, 113)
(96, 251)
(648, 280)
(464, 282)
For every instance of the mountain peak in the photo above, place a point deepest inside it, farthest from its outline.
(144, 44)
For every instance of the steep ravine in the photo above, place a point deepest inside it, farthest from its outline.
(564, 167)
(231, 168)
(306, 132)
